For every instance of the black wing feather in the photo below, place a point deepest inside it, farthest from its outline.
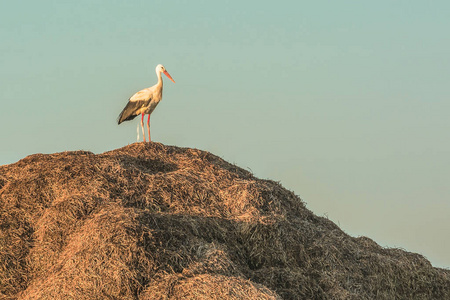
(129, 112)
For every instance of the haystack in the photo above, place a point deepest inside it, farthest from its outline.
(150, 221)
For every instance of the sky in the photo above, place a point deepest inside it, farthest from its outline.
(346, 103)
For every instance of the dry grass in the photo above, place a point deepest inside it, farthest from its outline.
(149, 221)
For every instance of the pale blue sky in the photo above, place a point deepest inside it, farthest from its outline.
(344, 102)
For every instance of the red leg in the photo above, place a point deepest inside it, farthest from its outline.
(142, 125)
(148, 128)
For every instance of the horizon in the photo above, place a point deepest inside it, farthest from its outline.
(344, 104)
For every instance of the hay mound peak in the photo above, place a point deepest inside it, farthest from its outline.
(149, 221)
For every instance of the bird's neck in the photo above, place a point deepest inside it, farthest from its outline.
(159, 78)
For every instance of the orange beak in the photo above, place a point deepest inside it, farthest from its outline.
(168, 75)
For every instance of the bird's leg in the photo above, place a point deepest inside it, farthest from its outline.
(148, 128)
(142, 125)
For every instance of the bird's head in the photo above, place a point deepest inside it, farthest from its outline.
(160, 69)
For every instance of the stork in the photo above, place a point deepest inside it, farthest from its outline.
(144, 102)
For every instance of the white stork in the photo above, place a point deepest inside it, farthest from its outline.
(144, 102)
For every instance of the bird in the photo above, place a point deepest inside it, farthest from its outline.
(145, 101)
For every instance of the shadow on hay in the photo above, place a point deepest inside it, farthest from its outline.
(148, 166)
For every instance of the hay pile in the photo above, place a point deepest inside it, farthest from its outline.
(149, 221)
